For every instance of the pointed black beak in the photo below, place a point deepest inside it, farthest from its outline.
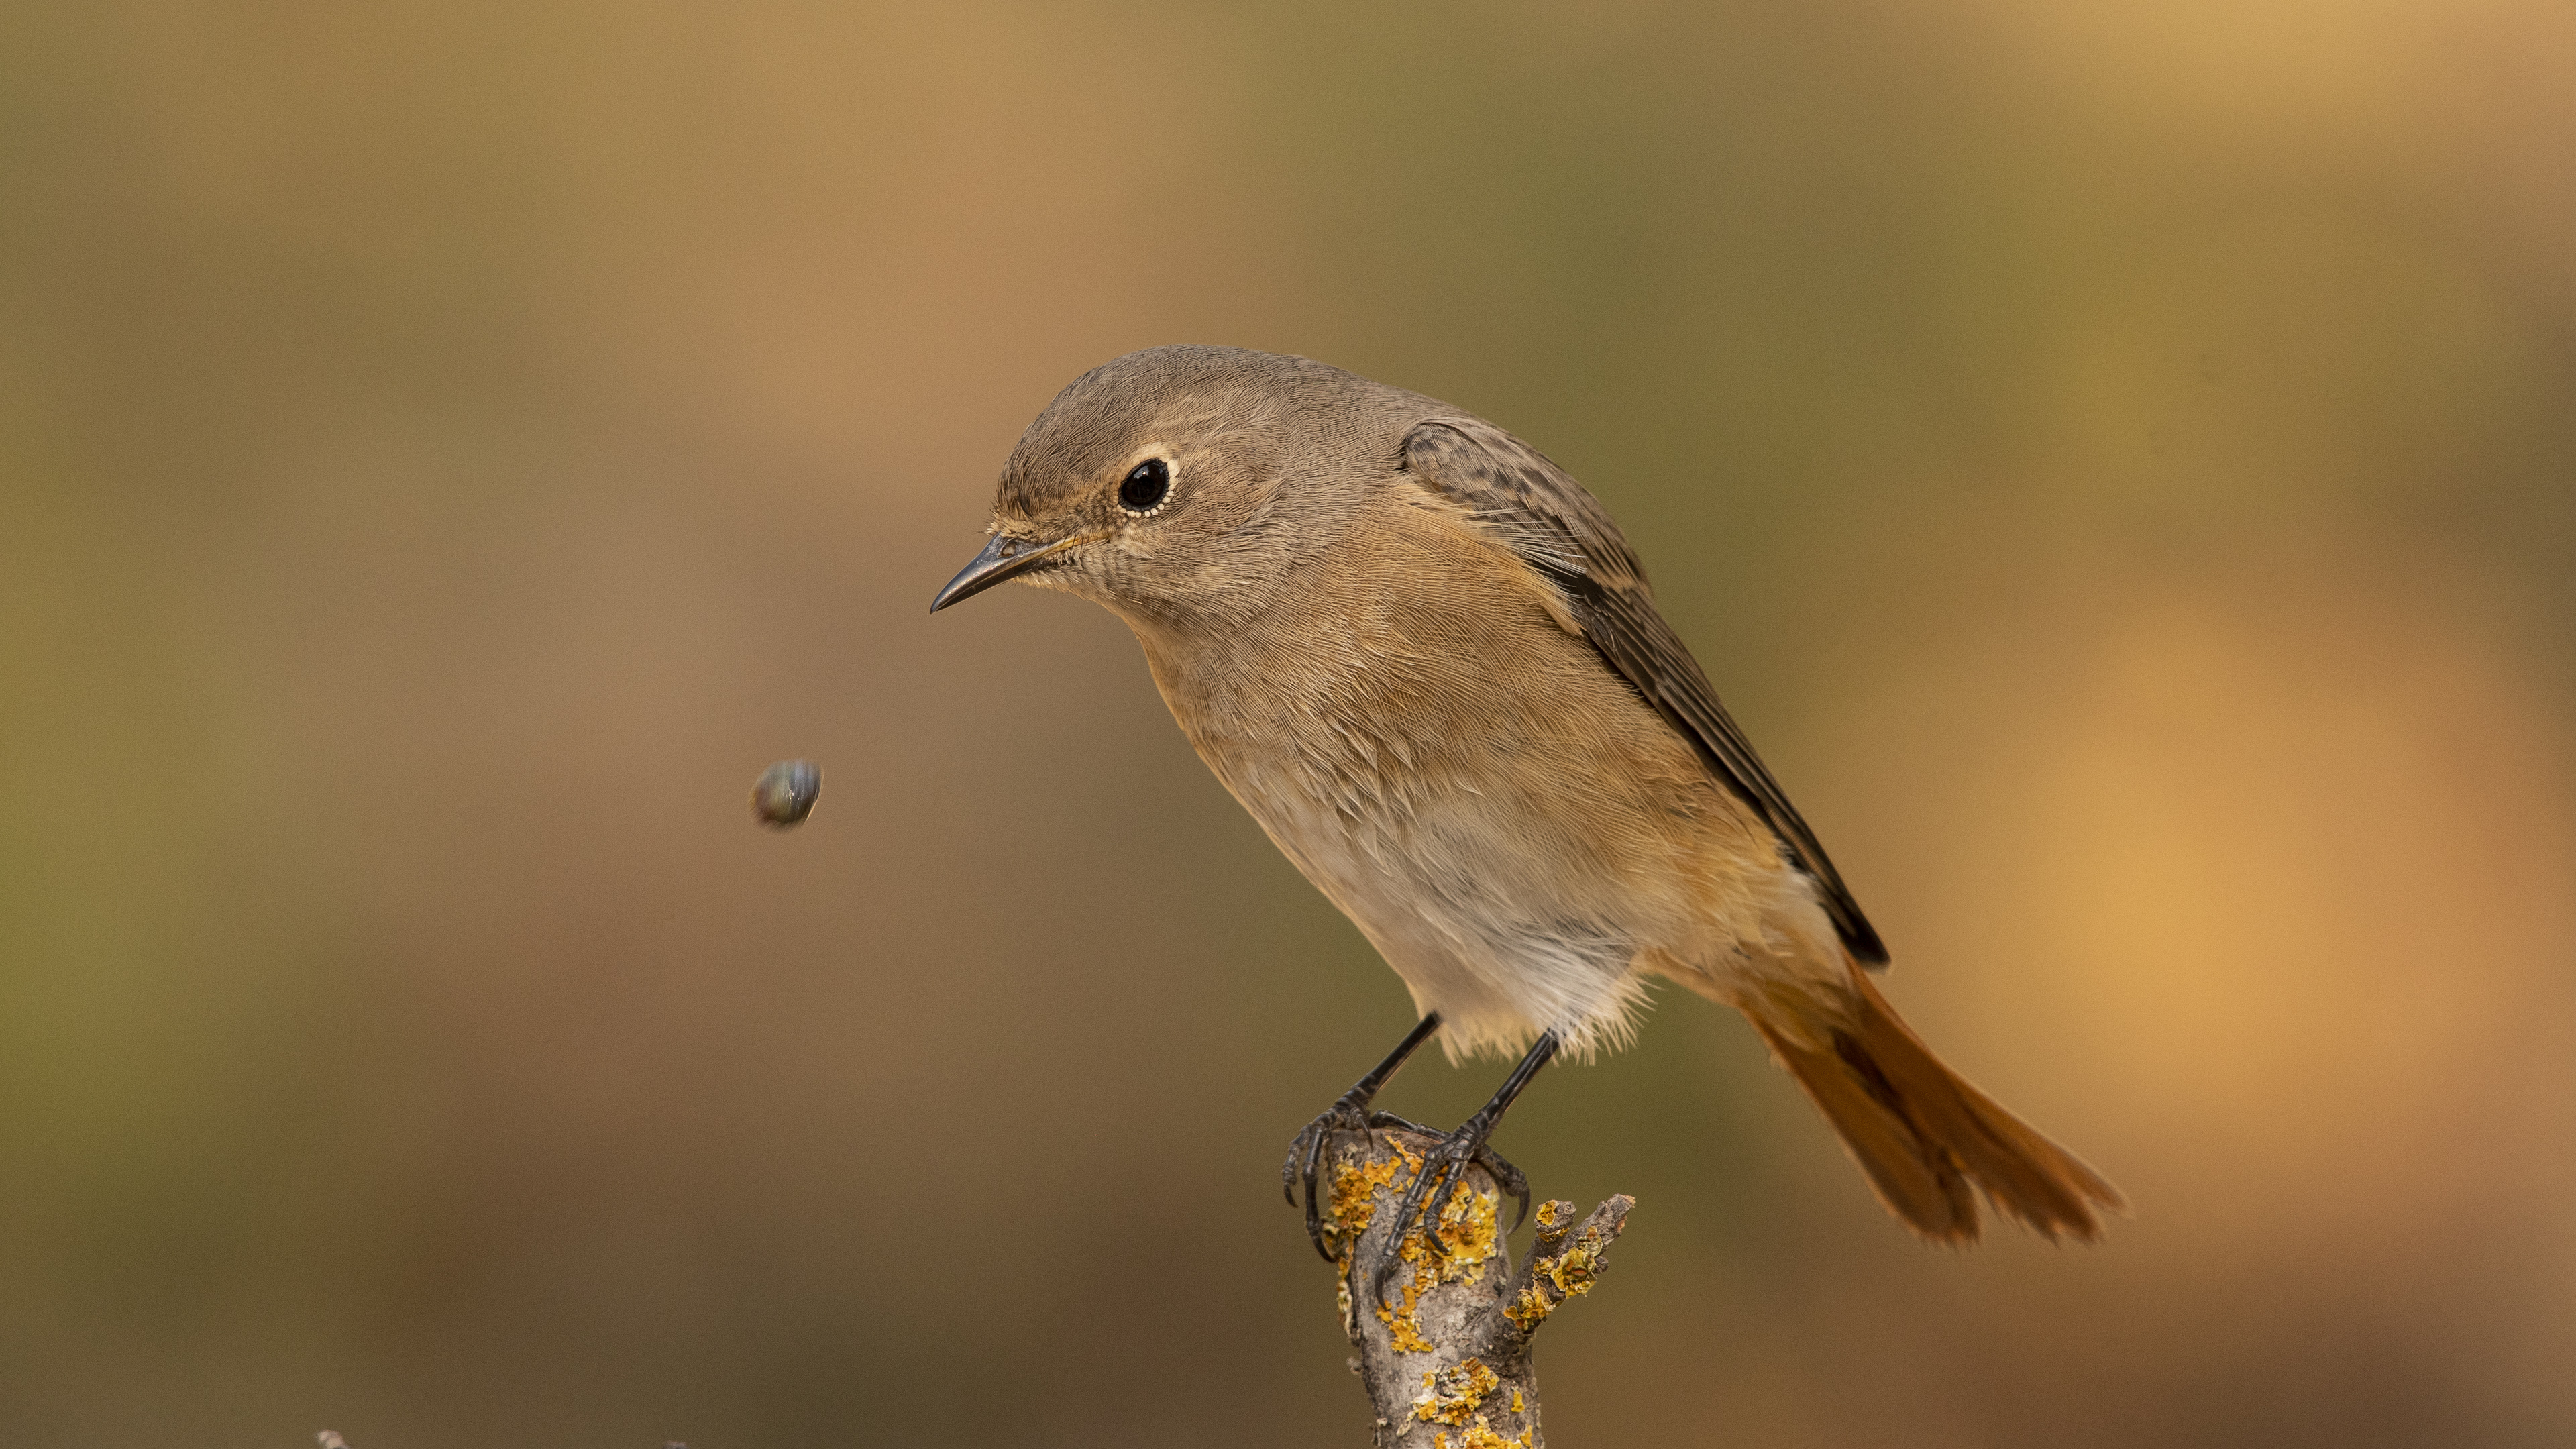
(1002, 558)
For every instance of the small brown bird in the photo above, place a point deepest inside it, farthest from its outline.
(1427, 662)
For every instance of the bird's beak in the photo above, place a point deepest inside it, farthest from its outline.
(1003, 558)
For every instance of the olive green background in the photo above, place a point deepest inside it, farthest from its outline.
(2117, 460)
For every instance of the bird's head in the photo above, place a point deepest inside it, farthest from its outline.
(1180, 486)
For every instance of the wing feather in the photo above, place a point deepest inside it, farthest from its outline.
(1561, 529)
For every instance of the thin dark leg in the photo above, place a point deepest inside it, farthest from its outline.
(1447, 1163)
(1350, 1113)
(1367, 1088)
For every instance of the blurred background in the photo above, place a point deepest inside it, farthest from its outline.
(2118, 461)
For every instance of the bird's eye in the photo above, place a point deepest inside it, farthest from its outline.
(1143, 490)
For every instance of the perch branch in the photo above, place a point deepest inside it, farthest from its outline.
(1446, 1354)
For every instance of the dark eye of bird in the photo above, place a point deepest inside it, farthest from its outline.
(1142, 490)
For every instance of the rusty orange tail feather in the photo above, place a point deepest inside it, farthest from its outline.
(1920, 1132)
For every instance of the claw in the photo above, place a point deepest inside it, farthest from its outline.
(1444, 1170)
(1349, 1113)
(1305, 1164)
(1510, 1180)
(1298, 1149)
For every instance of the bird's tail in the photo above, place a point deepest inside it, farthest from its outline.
(1921, 1133)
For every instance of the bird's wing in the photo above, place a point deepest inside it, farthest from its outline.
(1551, 521)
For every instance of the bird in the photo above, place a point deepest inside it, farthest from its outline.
(1427, 662)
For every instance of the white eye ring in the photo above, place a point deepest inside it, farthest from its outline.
(1146, 490)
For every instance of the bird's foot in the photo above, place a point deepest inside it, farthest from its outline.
(1305, 1164)
(1444, 1167)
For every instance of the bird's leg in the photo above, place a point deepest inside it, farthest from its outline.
(1349, 1113)
(1445, 1165)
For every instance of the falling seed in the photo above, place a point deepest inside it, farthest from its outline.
(786, 793)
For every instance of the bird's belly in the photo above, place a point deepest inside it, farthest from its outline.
(1512, 864)
(1500, 964)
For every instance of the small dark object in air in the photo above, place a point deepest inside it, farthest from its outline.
(786, 793)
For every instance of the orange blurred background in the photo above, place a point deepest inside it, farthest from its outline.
(2117, 460)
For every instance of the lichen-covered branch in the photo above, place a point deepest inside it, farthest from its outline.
(1446, 1353)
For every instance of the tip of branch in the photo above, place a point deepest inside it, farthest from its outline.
(1568, 1260)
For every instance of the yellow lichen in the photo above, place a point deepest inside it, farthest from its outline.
(1404, 1325)
(1516, 1403)
(1572, 1272)
(1530, 1309)
(1404, 1330)
(1467, 1227)
(1355, 1189)
(1481, 1435)
(1459, 1392)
